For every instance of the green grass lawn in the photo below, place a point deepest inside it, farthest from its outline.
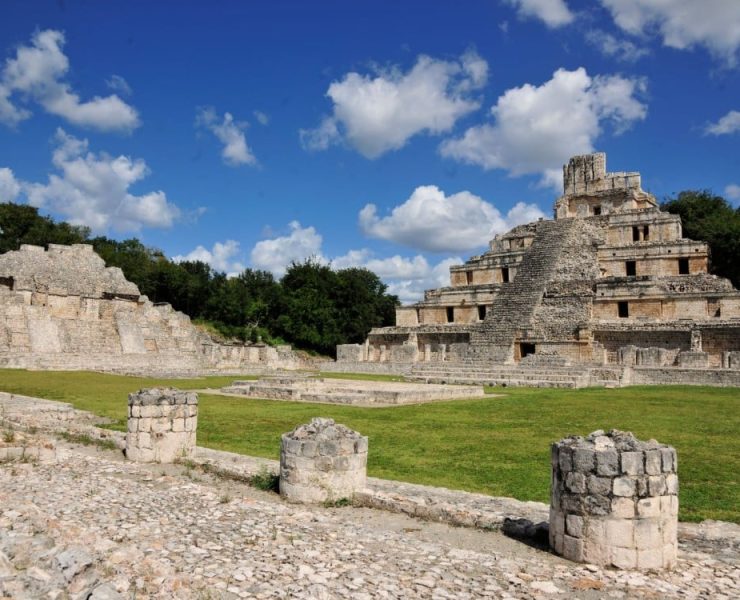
(497, 446)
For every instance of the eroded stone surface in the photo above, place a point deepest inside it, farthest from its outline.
(162, 425)
(62, 308)
(167, 531)
(614, 501)
(322, 461)
(134, 529)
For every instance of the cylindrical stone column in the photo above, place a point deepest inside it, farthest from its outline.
(162, 425)
(614, 501)
(322, 461)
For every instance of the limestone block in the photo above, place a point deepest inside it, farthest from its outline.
(322, 461)
(731, 360)
(614, 501)
(694, 360)
(404, 353)
(349, 353)
(159, 428)
(44, 335)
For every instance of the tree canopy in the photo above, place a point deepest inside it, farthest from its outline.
(710, 218)
(313, 306)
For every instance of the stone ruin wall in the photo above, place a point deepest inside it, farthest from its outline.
(62, 308)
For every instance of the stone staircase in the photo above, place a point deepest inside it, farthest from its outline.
(483, 373)
(477, 371)
(514, 307)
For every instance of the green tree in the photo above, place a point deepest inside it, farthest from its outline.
(710, 218)
(22, 224)
(136, 260)
(312, 306)
(309, 318)
(362, 303)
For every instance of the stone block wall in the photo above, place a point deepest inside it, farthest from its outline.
(162, 424)
(63, 309)
(322, 461)
(404, 353)
(654, 357)
(350, 353)
(693, 360)
(614, 501)
(731, 360)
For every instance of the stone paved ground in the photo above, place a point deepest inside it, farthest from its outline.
(83, 523)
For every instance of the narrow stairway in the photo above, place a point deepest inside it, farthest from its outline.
(515, 305)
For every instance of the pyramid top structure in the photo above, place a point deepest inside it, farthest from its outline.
(589, 190)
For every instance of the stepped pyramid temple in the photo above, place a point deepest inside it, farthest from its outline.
(607, 292)
(62, 308)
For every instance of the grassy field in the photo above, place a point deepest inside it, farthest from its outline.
(497, 446)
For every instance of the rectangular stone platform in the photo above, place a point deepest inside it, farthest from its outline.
(337, 391)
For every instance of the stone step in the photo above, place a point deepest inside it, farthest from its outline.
(485, 377)
(537, 372)
(498, 382)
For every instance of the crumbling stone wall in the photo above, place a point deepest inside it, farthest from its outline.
(63, 309)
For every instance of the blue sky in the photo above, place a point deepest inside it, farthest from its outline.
(395, 135)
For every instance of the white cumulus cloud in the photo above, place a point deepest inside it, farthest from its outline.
(10, 187)
(276, 254)
(430, 220)
(730, 123)
(682, 24)
(220, 257)
(537, 128)
(381, 112)
(405, 277)
(93, 189)
(36, 73)
(231, 134)
(553, 13)
(732, 191)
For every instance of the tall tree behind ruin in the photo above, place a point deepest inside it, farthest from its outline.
(710, 218)
(313, 306)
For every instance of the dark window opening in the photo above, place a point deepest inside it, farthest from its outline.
(418, 315)
(469, 277)
(646, 233)
(481, 312)
(623, 309)
(683, 266)
(505, 274)
(630, 268)
(635, 234)
(525, 349)
(450, 314)
(597, 211)
(713, 308)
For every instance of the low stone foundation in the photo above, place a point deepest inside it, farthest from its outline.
(614, 501)
(302, 388)
(322, 461)
(162, 425)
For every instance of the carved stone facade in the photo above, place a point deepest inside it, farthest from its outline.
(610, 282)
(62, 308)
